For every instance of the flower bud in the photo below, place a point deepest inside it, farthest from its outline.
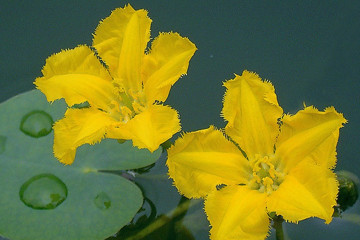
(348, 190)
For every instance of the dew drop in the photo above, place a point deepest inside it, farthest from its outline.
(43, 191)
(2, 144)
(36, 124)
(102, 201)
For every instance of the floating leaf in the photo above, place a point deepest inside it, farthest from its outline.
(43, 199)
(2, 144)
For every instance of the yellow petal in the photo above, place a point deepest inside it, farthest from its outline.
(252, 110)
(308, 191)
(78, 76)
(79, 126)
(150, 128)
(309, 133)
(236, 212)
(167, 61)
(120, 40)
(201, 160)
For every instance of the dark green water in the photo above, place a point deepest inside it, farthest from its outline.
(309, 50)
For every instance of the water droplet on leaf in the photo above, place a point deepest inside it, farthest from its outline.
(43, 191)
(102, 201)
(36, 124)
(2, 144)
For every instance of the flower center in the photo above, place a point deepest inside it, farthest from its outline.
(127, 106)
(265, 177)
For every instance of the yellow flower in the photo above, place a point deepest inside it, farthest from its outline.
(269, 162)
(123, 85)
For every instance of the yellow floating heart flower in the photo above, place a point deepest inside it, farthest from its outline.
(123, 84)
(284, 165)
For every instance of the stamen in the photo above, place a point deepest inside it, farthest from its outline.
(128, 103)
(126, 113)
(137, 107)
(265, 177)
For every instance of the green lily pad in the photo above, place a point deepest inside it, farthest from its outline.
(43, 199)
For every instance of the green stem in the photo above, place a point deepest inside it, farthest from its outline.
(162, 220)
(277, 224)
